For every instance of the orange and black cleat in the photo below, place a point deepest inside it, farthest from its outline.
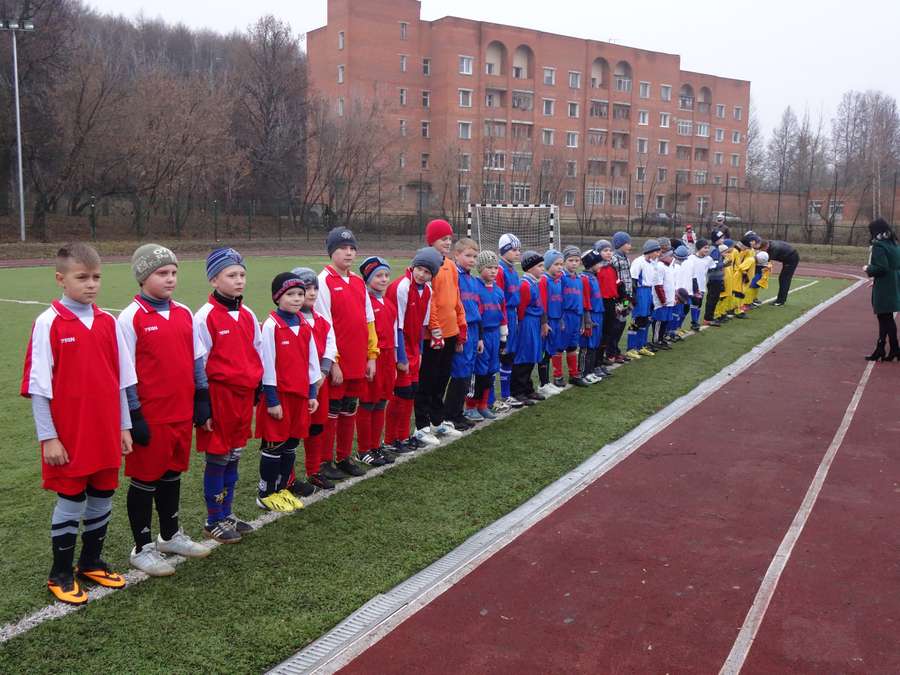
(101, 575)
(65, 589)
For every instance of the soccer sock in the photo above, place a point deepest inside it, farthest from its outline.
(168, 497)
(404, 423)
(346, 425)
(364, 438)
(312, 449)
(378, 422)
(392, 420)
(544, 370)
(139, 503)
(572, 364)
(288, 458)
(556, 360)
(230, 480)
(490, 394)
(505, 375)
(326, 447)
(67, 514)
(214, 487)
(695, 314)
(641, 337)
(95, 522)
(632, 338)
(269, 468)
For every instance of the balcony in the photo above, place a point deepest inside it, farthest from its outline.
(685, 102)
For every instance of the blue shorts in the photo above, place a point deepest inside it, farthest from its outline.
(463, 364)
(571, 334)
(643, 302)
(488, 361)
(593, 340)
(512, 322)
(529, 347)
(662, 314)
(553, 343)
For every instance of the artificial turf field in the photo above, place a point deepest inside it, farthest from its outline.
(249, 606)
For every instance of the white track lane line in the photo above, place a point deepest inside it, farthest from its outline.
(755, 616)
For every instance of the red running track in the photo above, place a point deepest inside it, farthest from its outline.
(653, 567)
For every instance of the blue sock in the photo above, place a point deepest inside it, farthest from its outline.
(505, 374)
(641, 339)
(230, 480)
(288, 457)
(491, 396)
(269, 469)
(695, 315)
(631, 342)
(213, 489)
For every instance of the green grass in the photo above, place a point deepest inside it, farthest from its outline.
(249, 606)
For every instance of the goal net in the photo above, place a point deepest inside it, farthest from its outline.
(534, 224)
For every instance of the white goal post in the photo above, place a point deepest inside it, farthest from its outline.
(534, 224)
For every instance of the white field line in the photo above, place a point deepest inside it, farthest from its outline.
(58, 609)
(47, 304)
(757, 612)
(793, 290)
(378, 617)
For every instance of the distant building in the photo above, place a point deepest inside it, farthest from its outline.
(522, 115)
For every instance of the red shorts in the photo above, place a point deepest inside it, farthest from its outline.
(412, 375)
(104, 479)
(169, 450)
(321, 415)
(294, 422)
(345, 388)
(232, 419)
(381, 388)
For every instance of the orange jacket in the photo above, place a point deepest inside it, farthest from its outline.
(447, 311)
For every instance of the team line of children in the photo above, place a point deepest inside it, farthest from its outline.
(342, 356)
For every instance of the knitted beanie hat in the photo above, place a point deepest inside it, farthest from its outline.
(681, 253)
(530, 259)
(372, 264)
(620, 239)
(221, 258)
(650, 246)
(429, 259)
(508, 242)
(284, 282)
(590, 258)
(437, 229)
(701, 243)
(664, 243)
(148, 258)
(602, 244)
(550, 257)
(339, 236)
(307, 276)
(571, 252)
(486, 259)
(762, 258)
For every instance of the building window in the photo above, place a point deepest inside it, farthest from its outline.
(340, 74)
(573, 109)
(664, 147)
(521, 193)
(426, 99)
(522, 100)
(492, 99)
(718, 159)
(623, 83)
(640, 174)
(465, 65)
(550, 76)
(465, 162)
(465, 98)
(495, 161)
(660, 201)
(732, 181)
(644, 90)
(738, 113)
(494, 192)
(664, 120)
(665, 92)
(569, 198)
(402, 159)
(682, 152)
(599, 109)
(402, 96)
(571, 139)
(403, 128)
(426, 67)
(403, 61)
(621, 111)
(662, 175)
(720, 135)
(340, 107)
(547, 136)
(548, 106)
(404, 30)
(521, 162)
(594, 196)
(699, 178)
(519, 130)
(618, 196)
(571, 169)
(574, 79)
(735, 136)
(340, 39)
(720, 111)
(639, 200)
(702, 129)
(642, 145)
(464, 194)
(643, 117)
(685, 127)
(735, 161)
(426, 129)
(425, 160)
(717, 180)
(702, 205)
(465, 130)
(494, 129)
(596, 167)
(596, 136)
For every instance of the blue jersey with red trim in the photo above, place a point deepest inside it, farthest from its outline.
(552, 295)
(468, 293)
(573, 293)
(493, 312)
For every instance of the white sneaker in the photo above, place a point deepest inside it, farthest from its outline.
(150, 562)
(426, 437)
(590, 378)
(558, 389)
(548, 390)
(445, 430)
(500, 407)
(181, 544)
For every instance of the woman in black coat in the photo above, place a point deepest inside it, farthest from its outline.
(884, 269)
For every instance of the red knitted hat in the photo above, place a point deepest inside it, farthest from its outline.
(437, 229)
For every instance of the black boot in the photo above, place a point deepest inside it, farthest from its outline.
(878, 354)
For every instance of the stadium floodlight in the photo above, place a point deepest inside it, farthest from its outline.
(14, 26)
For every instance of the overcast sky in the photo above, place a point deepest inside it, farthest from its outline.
(805, 54)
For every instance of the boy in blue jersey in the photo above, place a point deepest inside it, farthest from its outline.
(463, 365)
(533, 329)
(494, 334)
(575, 320)
(510, 249)
(592, 336)
(551, 290)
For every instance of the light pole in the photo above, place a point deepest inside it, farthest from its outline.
(13, 27)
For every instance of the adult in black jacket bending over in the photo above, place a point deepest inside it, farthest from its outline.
(787, 255)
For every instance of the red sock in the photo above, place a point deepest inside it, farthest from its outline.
(485, 397)
(363, 429)
(377, 427)
(291, 480)
(392, 413)
(403, 424)
(556, 360)
(312, 451)
(346, 425)
(326, 447)
(572, 362)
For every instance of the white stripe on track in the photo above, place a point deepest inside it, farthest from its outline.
(757, 612)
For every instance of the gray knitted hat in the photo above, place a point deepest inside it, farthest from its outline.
(148, 258)
(486, 259)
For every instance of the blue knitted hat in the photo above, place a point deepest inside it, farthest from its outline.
(620, 239)
(221, 258)
(550, 257)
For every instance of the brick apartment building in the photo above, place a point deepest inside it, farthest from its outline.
(520, 115)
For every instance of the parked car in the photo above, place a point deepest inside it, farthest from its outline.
(659, 218)
(725, 217)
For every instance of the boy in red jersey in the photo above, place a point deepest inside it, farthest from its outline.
(78, 349)
(231, 335)
(168, 358)
(291, 376)
(411, 295)
(345, 304)
(376, 272)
